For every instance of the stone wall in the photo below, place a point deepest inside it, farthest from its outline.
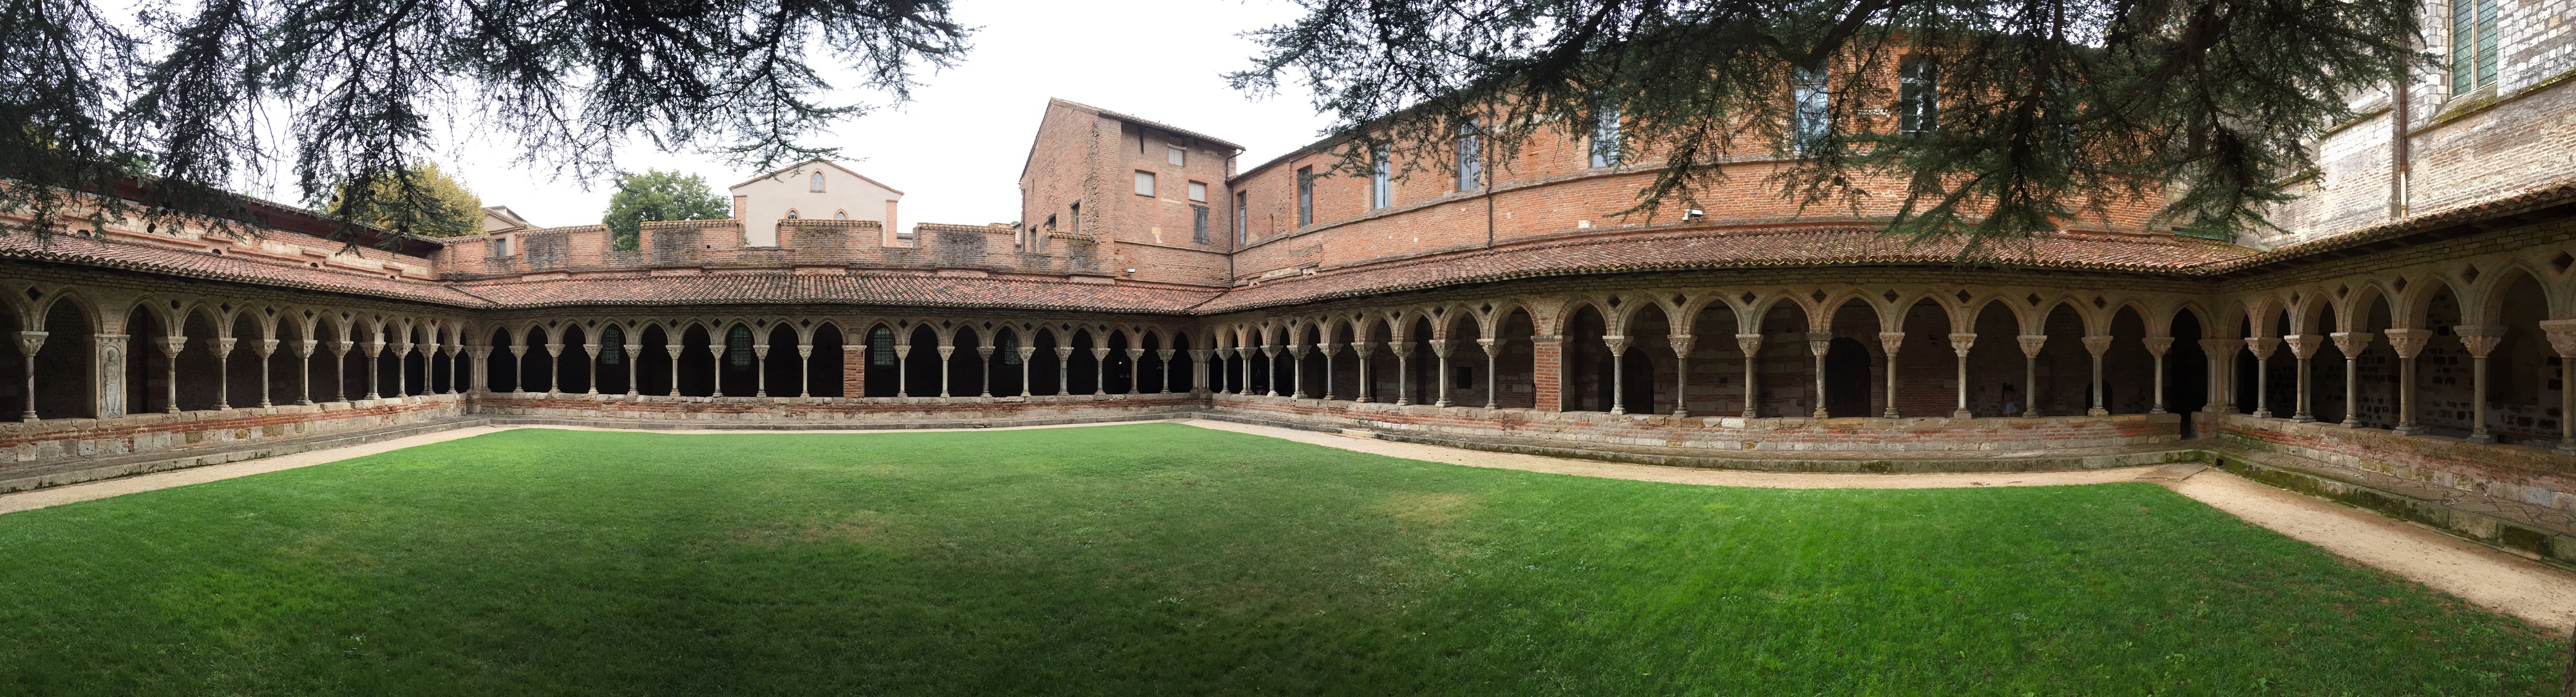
(822, 412)
(57, 440)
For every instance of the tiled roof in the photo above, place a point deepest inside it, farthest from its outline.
(2555, 193)
(906, 289)
(89, 251)
(1717, 249)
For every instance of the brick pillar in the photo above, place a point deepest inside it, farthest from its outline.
(1548, 371)
(854, 370)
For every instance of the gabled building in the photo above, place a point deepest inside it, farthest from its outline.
(813, 190)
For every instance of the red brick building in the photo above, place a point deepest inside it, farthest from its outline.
(2402, 340)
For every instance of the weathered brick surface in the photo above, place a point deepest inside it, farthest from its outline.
(1727, 434)
(2519, 473)
(55, 440)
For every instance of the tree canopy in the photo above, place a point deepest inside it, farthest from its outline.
(659, 195)
(185, 101)
(444, 208)
(2047, 110)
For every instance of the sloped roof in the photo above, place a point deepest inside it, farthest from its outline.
(810, 161)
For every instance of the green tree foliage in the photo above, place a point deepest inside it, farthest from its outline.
(185, 102)
(2047, 108)
(420, 201)
(660, 195)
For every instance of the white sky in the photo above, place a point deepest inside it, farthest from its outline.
(956, 150)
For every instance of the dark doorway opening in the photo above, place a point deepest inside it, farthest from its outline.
(1847, 379)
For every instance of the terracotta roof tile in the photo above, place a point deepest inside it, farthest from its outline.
(89, 251)
(1717, 249)
(898, 288)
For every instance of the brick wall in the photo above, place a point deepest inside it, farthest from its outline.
(56, 440)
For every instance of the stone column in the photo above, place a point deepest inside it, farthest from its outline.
(2562, 337)
(2263, 346)
(1819, 343)
(1064, 370)
(635, 351)
(554, 368)
(2480, 340)
(592, 350)
(1618, 372)
(716, 348)
(1493, 364)
(170, 348)
(1329, 349)
(1243, 354)
(28, 343)
(945, 351)
(2351, 344)
(375, 351)
(2222, 372)
(264, 348)
(479, 372)
(1547, 372)
(339, 373)
(2407, 343)
(1100, 366)
(1888, 343)
(1198, 370)
(1681, 367)
(1403, 377)
(1026, 352)
(1440, 349)
(222, 347)
(1167, 354)
(1960, 342)
(304, 354)
(1751, 345)
(2096, 345)
(1363, 349)
(402, 374)
(674, 350)
(984, 354)
(1296, 371)
(902, 365)
(2157, 346)
(2031, 345)
(2303, 346)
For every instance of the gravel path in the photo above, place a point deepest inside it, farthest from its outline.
(2495, 580)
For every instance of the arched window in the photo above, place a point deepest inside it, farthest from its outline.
(881, 346)
(818, 181)
(612, 346)
(840, 215)
(791, 214)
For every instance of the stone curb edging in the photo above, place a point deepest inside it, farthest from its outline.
(2520, 540)
(202, 458)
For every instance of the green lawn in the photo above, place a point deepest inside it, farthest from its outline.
(1166, 559)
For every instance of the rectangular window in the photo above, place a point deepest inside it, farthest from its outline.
(1242, 217)
(500, 246)
(1198, 224)
(1076, 228)
(1176, 156)
(1471, 150)
(1811, 118)
(2473, 44)
(1381, 182)
(1918, 96)
(1305, 196)
(1605, 136)
(1198, 191)
(1144, 183)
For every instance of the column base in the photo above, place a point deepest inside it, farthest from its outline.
(2350, 423)
(1300, 395)
(1963, 414)
(1678, 412)
(1615, 411)
(1441, 403)
(2097, 411)
(2408, 429)
(2156, 410)
(2565, 447)
(1890, 414)
(2303, 419)
(2488, 438)
(2262, 414)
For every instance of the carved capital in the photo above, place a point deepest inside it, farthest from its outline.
(2158, 345)
(1269, 350)
(944, 351)
(1820, 343)
(341, 348)
(521, 350)
(223, 347)
(30, 342)
(634, 350)
(2562, 335)
(2304, 346)
(1300, 350)
(2408, 342)
(1492, 347)
(1329, 349)
(2097, 345)
(377, 348)
(1891, 341)
(2031, 344)
(984, 351)
(479, 352)
(1442, 347)
(674, 349)
(304, 349)
(1166, 354)
(2481, 339)
(1064, 353)
(2351, 343)
(1682, 344)
(1961, 342)
(1027, 351)
(171, 346)
(557, 349)
(1101, 353)
(1196, 355)
(1400, 350)
(265, 347)
(592, 350)
(1750, 344)
(2263, 346)
(1363, 349)
(1133, 354)
(1618, 344)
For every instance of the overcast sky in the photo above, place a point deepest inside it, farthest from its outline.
(956, 150)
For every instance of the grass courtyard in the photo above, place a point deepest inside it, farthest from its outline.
(1166, 559)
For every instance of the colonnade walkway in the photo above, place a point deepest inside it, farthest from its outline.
(2486, 577)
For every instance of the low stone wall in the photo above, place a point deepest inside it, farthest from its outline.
(1861, 444)
(652, 411)
(57, 440)
(2522, 473)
